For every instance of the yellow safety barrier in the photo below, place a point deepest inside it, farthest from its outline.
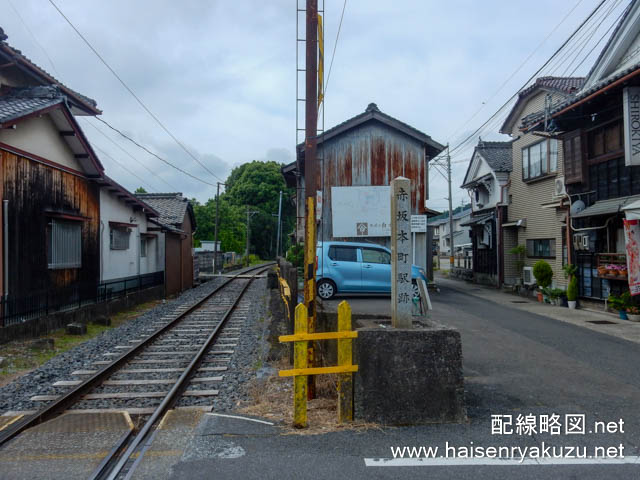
(301, 369)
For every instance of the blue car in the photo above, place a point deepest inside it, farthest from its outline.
(348, 267)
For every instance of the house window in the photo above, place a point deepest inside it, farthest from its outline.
(541, 248)
(540, 159)
(143, 247)
(65, 244)
(119, 238)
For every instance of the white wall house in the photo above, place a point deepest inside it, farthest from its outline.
(128, 247)
(460, 233)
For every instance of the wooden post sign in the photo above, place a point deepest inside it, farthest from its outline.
(401, 288)
(301, 370)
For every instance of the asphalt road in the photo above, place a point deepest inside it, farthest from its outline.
(515, 363)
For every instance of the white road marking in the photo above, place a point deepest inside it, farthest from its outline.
(461, 462)
(240, 418)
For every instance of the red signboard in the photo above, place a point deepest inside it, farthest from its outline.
(632, 240)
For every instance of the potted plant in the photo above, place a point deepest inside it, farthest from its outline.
(556, 295)
(543, 273)
(633, 313)
(618, 304)
(518, 251)
(572, 292)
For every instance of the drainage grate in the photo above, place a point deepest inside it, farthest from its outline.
(519, 301)
(602, 322)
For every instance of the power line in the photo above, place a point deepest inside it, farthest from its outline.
(154, 154)
(517, 69)
(174, 189)
(122, 166)
(35, 39)
(335, 45)
(132, 92)
(459, 145)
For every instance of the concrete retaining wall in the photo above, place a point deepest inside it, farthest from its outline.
(45, 325)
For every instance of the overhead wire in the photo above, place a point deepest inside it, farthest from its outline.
(129, 155)
(133, 94)
(524, 62)
(151, 188)
(512, 97)
(167, 162)
(333, 54)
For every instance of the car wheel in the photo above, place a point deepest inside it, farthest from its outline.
(416, 290)
(326, 289)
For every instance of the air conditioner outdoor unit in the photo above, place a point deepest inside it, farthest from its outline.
(559, 188)
(527, 273)
(577, 242)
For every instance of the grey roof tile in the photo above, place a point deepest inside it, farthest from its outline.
(497, 155)
(172, 207)
(23, 101)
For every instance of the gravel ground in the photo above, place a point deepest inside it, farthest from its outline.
(16, 395)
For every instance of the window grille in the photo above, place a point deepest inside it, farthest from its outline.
(65, 244)
(119, 238)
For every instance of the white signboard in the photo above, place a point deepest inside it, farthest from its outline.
(418, 224)
(631, 107)
(361, 211)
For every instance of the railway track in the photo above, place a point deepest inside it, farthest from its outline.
(185, 354)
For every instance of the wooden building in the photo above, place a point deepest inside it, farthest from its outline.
(370, 149)
(176, 224)
(51, 203)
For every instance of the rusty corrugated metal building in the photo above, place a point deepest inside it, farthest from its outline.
(370, 149)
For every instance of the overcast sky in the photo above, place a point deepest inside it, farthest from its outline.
(220, 74)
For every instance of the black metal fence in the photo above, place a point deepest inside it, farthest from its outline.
(20, 309)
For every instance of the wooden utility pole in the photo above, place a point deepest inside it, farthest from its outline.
(310, 172)
(215, 238)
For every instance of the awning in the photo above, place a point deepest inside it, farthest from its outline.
(632, 210)
(122, 225)
(522, 222)
(477, 220)
(607, 207)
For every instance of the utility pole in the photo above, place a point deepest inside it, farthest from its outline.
(278, 228)
(246, 254)
(310, 176)
(215, 238)
(450, 209)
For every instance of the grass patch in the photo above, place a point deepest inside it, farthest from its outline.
(22, 357)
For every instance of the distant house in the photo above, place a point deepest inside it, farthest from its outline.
(601, 177)
(175, 226)
(440, 225)
(368, 150)
(537, 208)
(487, 180)
(129, 251)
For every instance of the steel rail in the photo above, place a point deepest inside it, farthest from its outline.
(71, 397)
(167, 401)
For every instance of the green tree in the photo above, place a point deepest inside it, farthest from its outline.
(140, 190)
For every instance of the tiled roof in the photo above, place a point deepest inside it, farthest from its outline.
(171, 207)
(373, 112)
(529, 120)
(562, 84)
(497, 154)
(23, 101)
(19, 58)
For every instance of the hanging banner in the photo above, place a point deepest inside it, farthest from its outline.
(632, 241)
(631, 115)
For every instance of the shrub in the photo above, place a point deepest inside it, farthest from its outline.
(519, 251)
(543, 273)
(295, 255)
(569, 270)
(572, 289)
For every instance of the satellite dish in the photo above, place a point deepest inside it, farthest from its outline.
(577, 207)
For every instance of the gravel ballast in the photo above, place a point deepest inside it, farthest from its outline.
(16, 395)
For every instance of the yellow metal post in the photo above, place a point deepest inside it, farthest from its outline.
(345, 353)
(300, 361)
(310, 284)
